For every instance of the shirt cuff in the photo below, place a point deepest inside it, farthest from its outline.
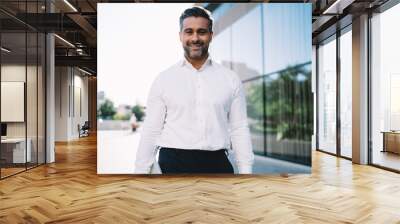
(245, 169)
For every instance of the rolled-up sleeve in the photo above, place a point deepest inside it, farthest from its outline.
(239, 131)
(152, 127)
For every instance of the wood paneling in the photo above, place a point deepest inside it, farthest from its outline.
(92, 99)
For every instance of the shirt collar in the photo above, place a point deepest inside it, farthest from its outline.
(209, 61)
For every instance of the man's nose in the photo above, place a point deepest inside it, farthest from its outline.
(195, 37)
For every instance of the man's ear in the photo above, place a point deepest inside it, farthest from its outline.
(180, 36)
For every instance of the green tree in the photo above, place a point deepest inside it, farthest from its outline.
(254, 92)
(288, 103)
(255, 100)
(138, 110)
(107, 110)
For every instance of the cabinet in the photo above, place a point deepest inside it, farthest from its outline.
(13, 150)
(391, 142)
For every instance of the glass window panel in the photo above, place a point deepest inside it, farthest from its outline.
(287, 64)
(220, 48)
(41, 98)
(289, 114)
(250, 46)
(287, 35)
(346, 94)
(22, 63)
(31, 97)
(246, 45)
(254, 99)
(13, 86)
(385, 89)
(327, 96)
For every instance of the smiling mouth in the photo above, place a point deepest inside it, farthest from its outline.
(195, 47)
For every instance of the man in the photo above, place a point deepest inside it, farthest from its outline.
(133, 122)
(195, 110)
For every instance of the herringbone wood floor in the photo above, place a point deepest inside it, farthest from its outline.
(69, 191)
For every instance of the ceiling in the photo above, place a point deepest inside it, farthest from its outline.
(74, 22)
(332, 15)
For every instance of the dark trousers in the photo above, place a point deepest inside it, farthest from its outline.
(173, 160)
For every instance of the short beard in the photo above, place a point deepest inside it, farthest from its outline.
(204, 53)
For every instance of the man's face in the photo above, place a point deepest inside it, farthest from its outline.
(195, 37)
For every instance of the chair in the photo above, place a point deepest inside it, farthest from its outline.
(84, 130)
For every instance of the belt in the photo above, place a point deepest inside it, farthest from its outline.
(196, 150)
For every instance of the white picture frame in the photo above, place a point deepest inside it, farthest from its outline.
(12, 101)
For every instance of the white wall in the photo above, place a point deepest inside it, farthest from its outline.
(12, 73)
(61, 103)
(71, 102)
(33, 126)
(81, 103)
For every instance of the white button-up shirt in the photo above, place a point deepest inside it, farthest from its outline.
(196, 109)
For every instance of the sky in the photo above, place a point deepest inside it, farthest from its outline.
(135, 43)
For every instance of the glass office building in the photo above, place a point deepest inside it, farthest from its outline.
(336, 86)
(269, 47)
